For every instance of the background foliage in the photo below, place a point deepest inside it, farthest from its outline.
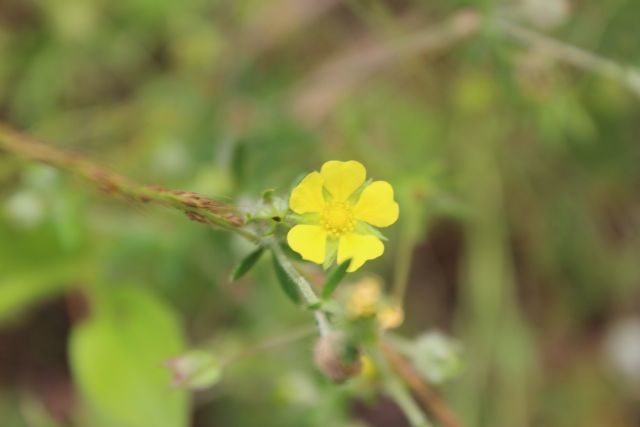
(516, 174)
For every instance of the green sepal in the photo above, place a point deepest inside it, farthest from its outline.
(286, 283)
(335, 277)
(326, 195)
(355, 196)
(330, 253)
(362, 227)
(246, 264)
(307, 218)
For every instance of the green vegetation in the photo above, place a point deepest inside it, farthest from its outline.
(147, 152)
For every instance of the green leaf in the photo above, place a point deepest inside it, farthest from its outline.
(118, 356)
(290, 253)
(246, 264)
(288, 285)
(335, 277)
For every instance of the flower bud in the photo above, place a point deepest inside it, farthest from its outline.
(195, 370)
(337, 358)
(390, 316)
(364, 298)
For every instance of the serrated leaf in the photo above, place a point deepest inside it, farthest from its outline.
(335, 277)
(117, 359)
(246, 264)
(286, 282)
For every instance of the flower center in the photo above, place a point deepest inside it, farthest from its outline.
(337, 218)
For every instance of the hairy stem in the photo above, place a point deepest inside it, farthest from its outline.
(196, 207)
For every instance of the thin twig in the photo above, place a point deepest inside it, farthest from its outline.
(430, 400)
(341, 75)
(196, 207)
(272, 343)
(399, 393)
(581, 58)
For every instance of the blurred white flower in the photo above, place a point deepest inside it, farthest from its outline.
(436, 356)
(622, 348)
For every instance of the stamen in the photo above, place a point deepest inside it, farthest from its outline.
(337, 219)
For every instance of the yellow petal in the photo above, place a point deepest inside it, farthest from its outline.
(310, 241)
(307, 196)
(376, 205)
(341, 179)
(360, 248)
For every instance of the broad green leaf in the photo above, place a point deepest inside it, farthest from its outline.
(246, 264)
(335, 276)
(118, 359)
(286, 282)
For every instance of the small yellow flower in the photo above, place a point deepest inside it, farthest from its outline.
(364, 297)
(390, 316)
(337, 211)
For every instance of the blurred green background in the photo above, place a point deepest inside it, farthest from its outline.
(516, 173)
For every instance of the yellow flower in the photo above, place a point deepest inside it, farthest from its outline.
(337, 211)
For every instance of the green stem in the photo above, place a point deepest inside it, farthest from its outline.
(625, 75)
(304, 287)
